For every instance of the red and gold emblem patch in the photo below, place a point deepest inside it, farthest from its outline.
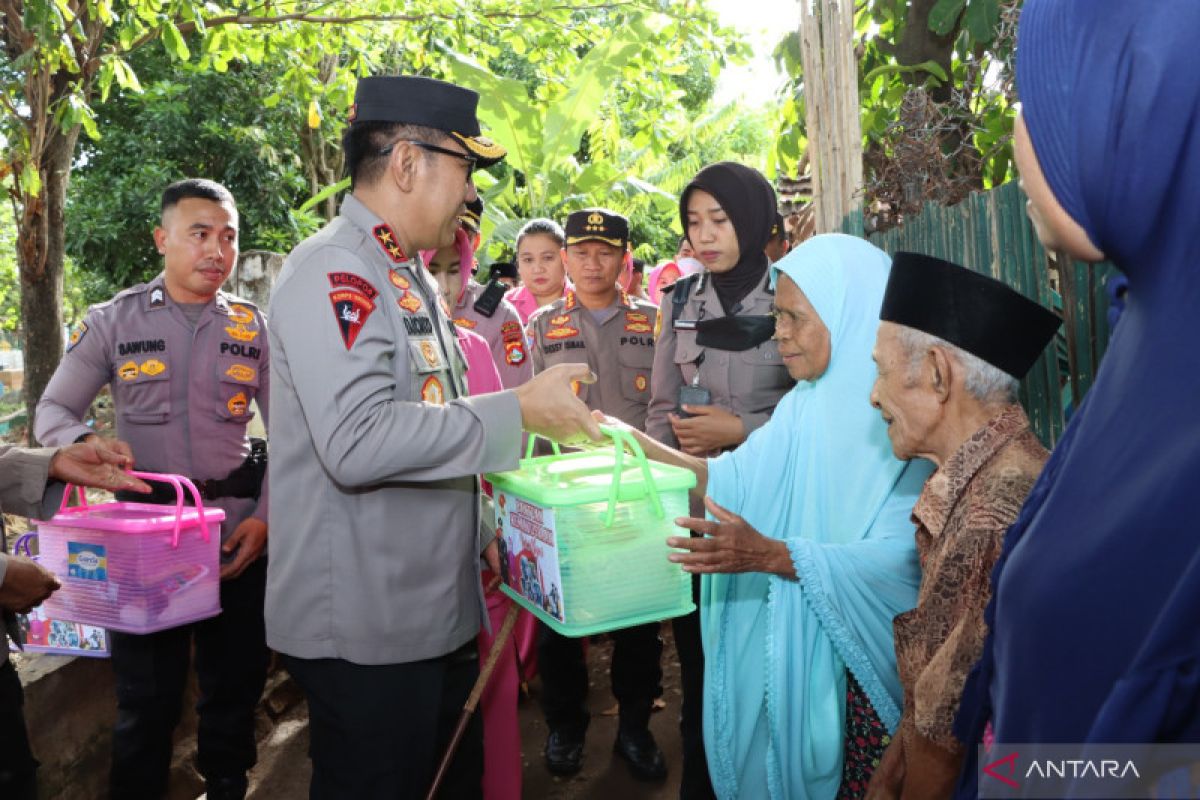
(640, 383)
(511, 332)
(561, 319)
(432, 392)
(389, 242)
(350, 309)
(514, 353)
(128, 371)
(409, 302)
(463, 322)
(238, 404)
(398, 280)
(563, 332)
(569, 303)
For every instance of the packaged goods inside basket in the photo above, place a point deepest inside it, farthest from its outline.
(134, 567)
(583, 537)
(41, 633)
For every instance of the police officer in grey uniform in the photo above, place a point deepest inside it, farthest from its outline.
(600, 325)
(717, 374)
(184, 361)
(483, 310)
(374, 593)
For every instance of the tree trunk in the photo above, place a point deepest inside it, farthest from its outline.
(41, 247)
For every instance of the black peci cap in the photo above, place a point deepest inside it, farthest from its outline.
(597, 224)
(974, 312)
(413, 100)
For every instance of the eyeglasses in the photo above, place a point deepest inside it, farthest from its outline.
(470, 160)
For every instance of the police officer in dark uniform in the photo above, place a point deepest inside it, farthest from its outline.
(184, 362)
(599, 324)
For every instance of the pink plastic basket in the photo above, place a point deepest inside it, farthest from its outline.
(42, 634)
(134, 567)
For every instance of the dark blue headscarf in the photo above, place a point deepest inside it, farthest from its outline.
(1095, 618)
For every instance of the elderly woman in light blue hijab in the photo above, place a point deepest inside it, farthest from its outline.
(809, 554)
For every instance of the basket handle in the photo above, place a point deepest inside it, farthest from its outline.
(179, 482)
(80, 498)
(22, 544)
(533, 437)
(622, 439)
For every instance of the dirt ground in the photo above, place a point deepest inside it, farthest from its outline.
(283, 771)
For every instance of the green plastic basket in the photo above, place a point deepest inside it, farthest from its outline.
(584, 537)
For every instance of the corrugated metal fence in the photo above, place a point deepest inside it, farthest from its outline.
(990, 233)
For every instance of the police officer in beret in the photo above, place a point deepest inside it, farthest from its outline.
(184, 361)
(374, 595)
(597, 323)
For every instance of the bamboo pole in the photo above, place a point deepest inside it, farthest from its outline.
(831, 108)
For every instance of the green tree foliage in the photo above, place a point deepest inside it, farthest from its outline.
(936, 96)
(61, 56)
(186, 122)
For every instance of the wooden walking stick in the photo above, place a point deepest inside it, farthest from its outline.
(476, 692)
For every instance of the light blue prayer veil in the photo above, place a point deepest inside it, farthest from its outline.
(821, 476)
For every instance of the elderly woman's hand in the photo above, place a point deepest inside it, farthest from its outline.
(730, 545)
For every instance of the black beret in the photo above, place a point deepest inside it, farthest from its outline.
(597, 224)
(972, 311)
(413, 100)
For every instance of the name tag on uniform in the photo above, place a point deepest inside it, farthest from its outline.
(685, 324)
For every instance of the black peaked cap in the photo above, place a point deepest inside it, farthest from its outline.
(597, 224)
(979, 314)
(414, 100)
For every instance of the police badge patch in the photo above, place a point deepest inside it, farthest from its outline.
(77, 336)
(351, 310)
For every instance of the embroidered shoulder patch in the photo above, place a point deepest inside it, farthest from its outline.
(348, 280)
(77, 335)
(351, 309)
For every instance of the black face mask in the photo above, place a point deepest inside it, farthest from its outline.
(735, 333)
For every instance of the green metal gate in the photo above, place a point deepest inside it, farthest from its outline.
(990, 233)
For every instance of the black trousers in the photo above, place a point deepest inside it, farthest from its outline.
(694, 784)
(377, 732)
(18, 767)
(636, 677)
(151, 672)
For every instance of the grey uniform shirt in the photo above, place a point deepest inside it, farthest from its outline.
(749, 384)
(618, 347)
(374, 454)
(503, 332)
(24, 475)
(181, 393)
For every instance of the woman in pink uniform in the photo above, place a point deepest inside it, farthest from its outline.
(541, 266)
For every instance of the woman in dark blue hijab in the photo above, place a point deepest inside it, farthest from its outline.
(1095, 617)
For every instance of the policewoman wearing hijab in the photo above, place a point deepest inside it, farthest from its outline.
(810, 552)
(717, 372)
(1096, 599)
